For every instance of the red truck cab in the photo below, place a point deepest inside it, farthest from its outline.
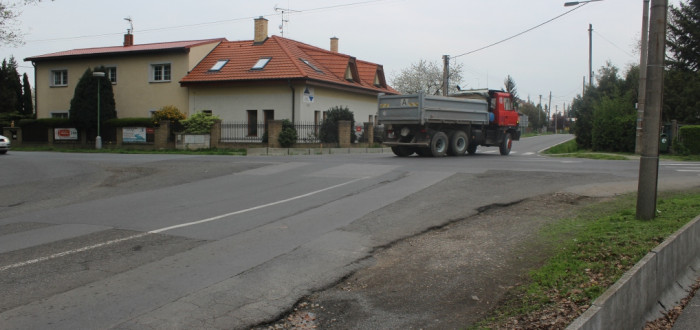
(503, 109)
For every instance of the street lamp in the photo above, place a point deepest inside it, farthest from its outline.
(98, 139)
(576, 3)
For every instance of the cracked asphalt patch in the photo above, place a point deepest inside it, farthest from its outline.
(445, 278)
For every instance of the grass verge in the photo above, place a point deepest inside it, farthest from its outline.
(226, 152)
(590, 253)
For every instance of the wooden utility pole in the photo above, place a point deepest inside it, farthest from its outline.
(649, 162)
(642, 77)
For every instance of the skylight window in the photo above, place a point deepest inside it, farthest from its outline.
(261, 63)
(310, 65)
(219, 65)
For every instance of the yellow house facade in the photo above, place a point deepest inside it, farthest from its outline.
(144, 77)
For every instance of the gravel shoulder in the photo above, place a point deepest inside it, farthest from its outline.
(446, 278)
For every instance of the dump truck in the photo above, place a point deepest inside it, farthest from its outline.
(454, 125)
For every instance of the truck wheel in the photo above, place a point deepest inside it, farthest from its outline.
(402, 151)
(438, 145)
(471, 149)
(506, 144)
(458, 144)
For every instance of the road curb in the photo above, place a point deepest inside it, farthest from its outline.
(314, 151)
(656, 283)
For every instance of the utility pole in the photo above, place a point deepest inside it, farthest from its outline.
(539, 114)
(445, 74)
(642, 77)
(649, 162)
(590, 54)
(549, 108)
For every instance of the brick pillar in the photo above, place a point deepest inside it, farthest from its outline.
(120, 136)
(344, 130)
(369, 133)
(14, 134)
(215, 134)
(161, 134)
(51, 135)
(274, 128)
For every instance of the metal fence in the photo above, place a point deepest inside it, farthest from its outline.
(242, 132)
(307, 132)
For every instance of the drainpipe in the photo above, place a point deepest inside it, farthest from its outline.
(293, 98)
(36, 95)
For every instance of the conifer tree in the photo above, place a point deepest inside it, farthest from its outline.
(83, 106)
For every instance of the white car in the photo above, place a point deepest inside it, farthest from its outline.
(4, 145)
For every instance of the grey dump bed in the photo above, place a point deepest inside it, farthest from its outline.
(421, 109)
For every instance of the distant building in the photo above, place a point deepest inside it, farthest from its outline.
(248, 81)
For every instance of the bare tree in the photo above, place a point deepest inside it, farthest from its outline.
(10, 32)
(426, 77)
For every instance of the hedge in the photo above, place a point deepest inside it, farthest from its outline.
(690, 137)
(131, 122)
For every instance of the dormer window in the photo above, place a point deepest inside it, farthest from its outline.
(310, 65)
(377, 82)
(261, 63)
(218, 65)
(348, 74)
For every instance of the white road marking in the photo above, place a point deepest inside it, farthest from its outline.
(95, 246)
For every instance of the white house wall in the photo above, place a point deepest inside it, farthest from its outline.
(232, 103)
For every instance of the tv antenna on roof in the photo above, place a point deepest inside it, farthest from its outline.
(131, 25)
(285, 16)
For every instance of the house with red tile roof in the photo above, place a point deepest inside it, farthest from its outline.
(144, 77)
(246, 81)
(279, 78)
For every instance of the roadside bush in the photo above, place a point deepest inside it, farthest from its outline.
(329, 128)
(288, 136)
(199, 123)
(690, 137)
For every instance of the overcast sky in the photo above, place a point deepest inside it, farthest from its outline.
(394, 33)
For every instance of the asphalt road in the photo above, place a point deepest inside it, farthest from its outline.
(169, 241)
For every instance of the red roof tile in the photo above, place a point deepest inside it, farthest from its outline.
(122, 50)
(286, 57)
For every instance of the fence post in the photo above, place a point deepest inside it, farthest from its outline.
(274, 128)
(369, 133)
(161, 134)
(120, 136)
(51, 135)
(344, 130)
(14, 134)
(215, 135)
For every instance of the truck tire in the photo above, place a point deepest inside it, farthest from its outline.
(402, 151)
(471, 149)
(458, 144)
(438, 144)
(506, 144)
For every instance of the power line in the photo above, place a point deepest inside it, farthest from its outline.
(519, 34)
(357, 3)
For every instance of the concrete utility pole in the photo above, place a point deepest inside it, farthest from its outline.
(549, 108)
(590, 54)
(445, 74)
(642, 77)
(649, 162)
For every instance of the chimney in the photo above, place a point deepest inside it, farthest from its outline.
(260, 30)
(128, 40)
(334, 44)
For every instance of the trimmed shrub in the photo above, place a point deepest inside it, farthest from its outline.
(690, 137)
(199, 123)
(288, 135)
(329, 128)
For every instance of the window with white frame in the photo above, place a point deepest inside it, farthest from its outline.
(160, 72)
(59, 78)
(111, 74)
